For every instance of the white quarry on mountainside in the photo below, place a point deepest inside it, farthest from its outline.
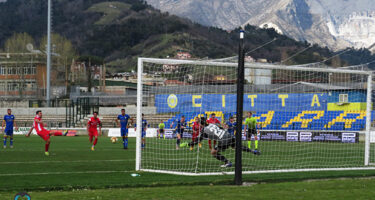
(271, 25)
(336, 24)
(358, 29)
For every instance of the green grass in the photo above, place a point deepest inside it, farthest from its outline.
(111, 11)
(72, 169)
(323, 189)
(160, 154)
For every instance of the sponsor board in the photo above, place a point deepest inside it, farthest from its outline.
(266, 136)
(292, 136)
(23, 131)
(372, 136)
(273, 136)
(115, 132)
(305, 136)
(349, 137)
(333, 137)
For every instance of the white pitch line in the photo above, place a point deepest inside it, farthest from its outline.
(64, 150)
(56, 161)
(59, 173)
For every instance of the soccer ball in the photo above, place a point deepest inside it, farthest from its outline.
(113, 139)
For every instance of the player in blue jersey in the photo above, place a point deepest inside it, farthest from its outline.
(9, 122)
(179, 130)
(231, 126)
(123, 122)
(144, 128)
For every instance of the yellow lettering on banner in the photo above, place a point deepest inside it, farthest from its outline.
(252, 97)
(283, 97)
(223, 100)
(315, 100)
(196, 105)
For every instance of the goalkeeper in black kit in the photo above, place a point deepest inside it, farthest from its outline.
(224, 138)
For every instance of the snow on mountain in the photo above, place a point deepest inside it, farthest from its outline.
(358, 29)
(336, 24)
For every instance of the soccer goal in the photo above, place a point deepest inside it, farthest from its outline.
(308, 118)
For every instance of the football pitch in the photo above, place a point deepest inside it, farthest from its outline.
(73, 171)
(275, 155)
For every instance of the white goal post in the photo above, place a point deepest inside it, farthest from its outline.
(301, 123)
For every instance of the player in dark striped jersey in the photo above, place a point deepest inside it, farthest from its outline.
(224, 138)
(231, 126)
(180, 127)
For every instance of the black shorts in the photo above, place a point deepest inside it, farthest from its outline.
(161, 130)
(251, 132)
(225, 144)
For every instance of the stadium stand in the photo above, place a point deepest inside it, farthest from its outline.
(305, 120)
(268, 120)
(50, 120)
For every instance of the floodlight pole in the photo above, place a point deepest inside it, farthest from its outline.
(48, 55)
(239, 113)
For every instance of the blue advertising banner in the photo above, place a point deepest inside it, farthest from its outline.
(172, 103)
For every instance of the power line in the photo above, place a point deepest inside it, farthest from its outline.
(235, 57)
(359, 65)
(296, 54)
(334, 56)
(274, 39)
(325, 60)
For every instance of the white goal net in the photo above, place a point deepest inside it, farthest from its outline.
(306, 118)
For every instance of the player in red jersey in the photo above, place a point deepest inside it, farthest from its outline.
(92, 126)
(38, 125)
(213, 120)
(197, 127)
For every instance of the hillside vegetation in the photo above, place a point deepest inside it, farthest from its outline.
(120, 31)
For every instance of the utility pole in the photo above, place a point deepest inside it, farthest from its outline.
(48, 54)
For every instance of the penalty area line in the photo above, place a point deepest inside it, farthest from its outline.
(62, 173)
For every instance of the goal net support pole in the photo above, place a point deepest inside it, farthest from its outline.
(240, 93)
(368, 119)
(139, 115)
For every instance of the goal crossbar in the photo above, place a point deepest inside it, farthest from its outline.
(251, 65)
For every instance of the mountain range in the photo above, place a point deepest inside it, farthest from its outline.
(337, 24)
(120, 31)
